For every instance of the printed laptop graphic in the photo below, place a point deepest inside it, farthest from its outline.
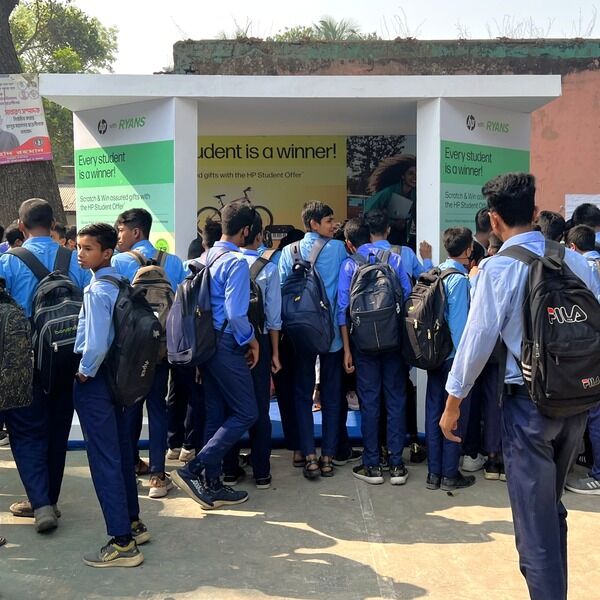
(399, 207)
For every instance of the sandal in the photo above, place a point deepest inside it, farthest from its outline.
(298, 460)
(308, 472)
(2, 541)
(326, 466)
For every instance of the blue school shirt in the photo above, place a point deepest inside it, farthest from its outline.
(496, 311)
(328, 265)
(268, 281)
(128, 265)
(349, 267)
(457, 289)
(597, 237)
(95, 329)
(230, 291)
(411, 263)
(21, 282)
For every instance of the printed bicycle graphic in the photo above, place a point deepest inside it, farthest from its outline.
(213, 213)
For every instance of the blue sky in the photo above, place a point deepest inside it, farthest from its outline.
(149, 28)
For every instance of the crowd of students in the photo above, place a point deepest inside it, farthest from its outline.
(198, 416)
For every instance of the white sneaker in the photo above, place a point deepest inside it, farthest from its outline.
(470, 465)
(352, 400)
(186, 455)
(159, 488)
(173, 453)
(4, 441)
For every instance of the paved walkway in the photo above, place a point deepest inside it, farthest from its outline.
(332, 539)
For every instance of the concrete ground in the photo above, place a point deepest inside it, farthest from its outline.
(331, 539)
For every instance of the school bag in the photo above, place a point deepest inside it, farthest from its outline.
(16, 354)
(376, 304)
(256, 307)
(151, 276)
(427, 341)
(560, 351)
(55, 312)
(304, 304)
(132, 357)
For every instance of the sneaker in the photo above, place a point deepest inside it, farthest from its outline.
(491, 470)
(352, 400)
(433, 481)
(384, 459)
(207, 496)
(449, 484)
(113, 555)
(470, 464)
(584, 485)
(4, 441)
(186, 455)
(173, 453)
(142, 467)
(502, 472)
(140, 533)
(418, 453)
(159, 487)
(352, 457)
(398, 474)
(234, 478)
(263, 483)
(192, 485)
(23, 509)
(372, 475)
(45, 519)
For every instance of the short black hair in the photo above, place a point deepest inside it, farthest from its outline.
(294, 235)
(512, 196)
(195, 249)
(586, 214)
(482, 220)
(494, 242)
(551, 224)
(315, 211)
(138, 218)
(236, 215)
(457, 240)
(356, 231)
(60, 229)
(583, 237)
(105, 234)
(1, 231)
(13, 233)
(211, 233)
(377, 221)
(71, 233)
(338, 233)
(35, 212)
(255, 228)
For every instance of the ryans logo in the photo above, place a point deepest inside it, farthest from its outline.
(590, 382)
(144, 368)
(471, 122)
(102, 126)
(561, 315)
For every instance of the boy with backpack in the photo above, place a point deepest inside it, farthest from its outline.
(546, 392)
(309, 272)
(372, 286)
(443, 456)
(102, 419)
(231, 407)
(39, 432)
(159, 273)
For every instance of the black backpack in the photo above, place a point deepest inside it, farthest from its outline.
(16, 354)
(55, 312)
(131, 360)
(304, 304)
(560, 351)
(256, 308)
(427, 340)
(376, 305)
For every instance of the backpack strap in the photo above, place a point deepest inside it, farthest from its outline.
(451, 271)
(114, 280)
(257, 266)
(384, 256)
(161, 258)
(359, 259)
(62, 263)
(296, 254)
(32, 262)
(216, 258)
(316, 250)
(520, 253)
(268, 254)
(396, 249)
(139, 257)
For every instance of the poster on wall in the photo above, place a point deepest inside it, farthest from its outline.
(572, 201)
(23, 132)
(124, 159)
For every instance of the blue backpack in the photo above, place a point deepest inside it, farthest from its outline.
(304, 304)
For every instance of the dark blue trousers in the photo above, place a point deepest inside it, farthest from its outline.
(231, 407)
(260, 432)
(39, 434)
(442, 455)
(331, 400)
(185, 409)
(110, 455)
(377, 376)
(156, 405)
(594, 431)
(284, 389)
(538, 453)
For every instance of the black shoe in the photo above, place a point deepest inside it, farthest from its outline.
(192, 485)
(234, 478)
(418, 453)
(433, 481)
(384, 458)
(263, 483)
(491, 470)
(372, 475)
(449, 484)
(352, 457)
(216, 495)
(398, 474)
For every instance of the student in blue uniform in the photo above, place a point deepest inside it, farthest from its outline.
(588, 214)
(376, 375)
(39, 432)
(538, 451)
(443, 455)
(231, 407)
(103, 422)
(319, 224)
(134, 230)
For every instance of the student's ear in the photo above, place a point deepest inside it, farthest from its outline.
(21, 226)
(387, 232)
(314, 225)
